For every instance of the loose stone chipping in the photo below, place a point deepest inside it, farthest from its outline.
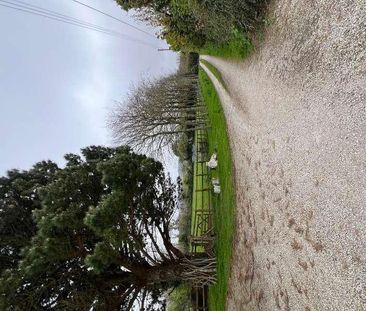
(296, 118)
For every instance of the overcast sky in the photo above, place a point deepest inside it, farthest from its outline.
(57, 81)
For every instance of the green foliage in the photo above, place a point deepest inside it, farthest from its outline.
(179, 299)
(182, 28)
(224, 204)
(238, 46)
(103, 256)
(19, 197)
(192, 24)
(96, 225)
(136, 4)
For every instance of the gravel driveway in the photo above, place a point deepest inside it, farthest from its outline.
(296, 115)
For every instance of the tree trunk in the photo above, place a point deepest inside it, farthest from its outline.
(197, 271)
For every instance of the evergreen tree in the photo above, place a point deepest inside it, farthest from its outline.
(103, 239)
(19, 197)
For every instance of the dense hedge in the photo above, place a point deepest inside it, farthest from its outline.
(191, 24)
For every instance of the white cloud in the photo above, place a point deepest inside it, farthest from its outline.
(93, 94)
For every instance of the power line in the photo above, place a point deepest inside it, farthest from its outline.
(78, 24)
(115, 18)
(46, 16)
(50, 12)
(27, 8)
(42, 12)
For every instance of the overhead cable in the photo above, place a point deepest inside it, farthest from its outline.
(53, 15)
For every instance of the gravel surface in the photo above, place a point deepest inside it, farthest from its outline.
(296, 115)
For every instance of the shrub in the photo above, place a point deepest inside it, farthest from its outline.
(191, 24)
(179, 299)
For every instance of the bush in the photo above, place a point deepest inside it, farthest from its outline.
(179, 299)
(191, 24)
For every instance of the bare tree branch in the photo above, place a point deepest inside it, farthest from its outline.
(156, 112)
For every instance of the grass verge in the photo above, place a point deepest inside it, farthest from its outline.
(215, 72)
(239, 46)
(224, 204)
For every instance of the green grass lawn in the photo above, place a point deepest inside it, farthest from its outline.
(238, 47)
(224, 203)
(215, 72)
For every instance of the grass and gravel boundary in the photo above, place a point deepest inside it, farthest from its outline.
(215, 72)
(224, 204)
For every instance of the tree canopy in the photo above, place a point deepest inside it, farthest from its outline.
(157, 112)
(181, 26)
(102, 238)
(193, 24)
(19, 197)
(138, 4)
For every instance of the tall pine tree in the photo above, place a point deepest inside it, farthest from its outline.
(103, 239)
(19, 197)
